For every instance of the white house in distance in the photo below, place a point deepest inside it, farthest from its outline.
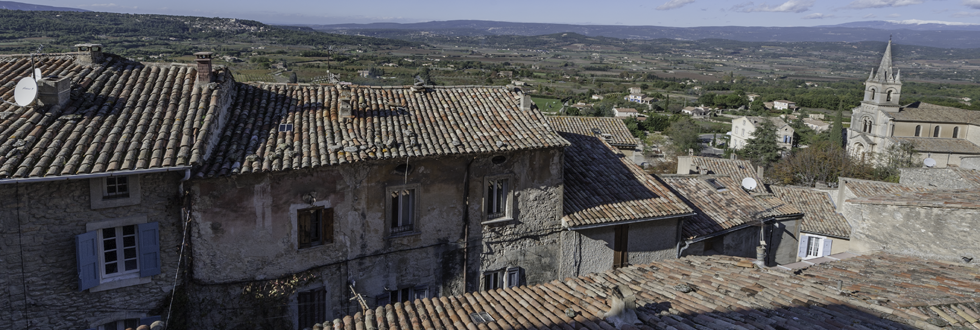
(743, 127)
(783, 104)
(625, 112)
(752, 97)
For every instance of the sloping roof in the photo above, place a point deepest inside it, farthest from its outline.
(122, 115)
(819, 214)
(718, 210)
(626, 109)
(737, 169)
(927, 112)
(934, 198)
(815, 122)
(604, 187)
(778, 122)
(866, 188)
(621, 136)
(941, 145)
(969, 175)
(388, 122)
(878, 292)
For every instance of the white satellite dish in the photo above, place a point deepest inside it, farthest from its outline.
(25, 92)
(929, 162)
(749, 183)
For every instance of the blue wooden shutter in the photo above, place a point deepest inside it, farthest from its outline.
(804, 241)
(87, 253)
(826, 247)
(149, 234)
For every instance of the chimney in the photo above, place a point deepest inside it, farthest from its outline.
(759, 172)
(526, 102)
(622, 311)
(54, 91)
(90, 53)
(203, 60)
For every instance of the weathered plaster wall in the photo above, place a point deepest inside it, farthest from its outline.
(39, 278)
(652, 241)
(245, 227)
(785, 241)
(741, 243)
(928, 232)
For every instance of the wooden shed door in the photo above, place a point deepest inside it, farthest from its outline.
(620, 244)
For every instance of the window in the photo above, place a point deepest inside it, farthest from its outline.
(497, 200)
(888, 98)
(515, 277)
(315, 226)
(918, 130)
(311, 307)
(403, 295)
(956, 132)
(114, 191)
(935, 132)
(115, 187)
(891, 130)
(873, 94)
(401, 209)
(814, 246)
(620, 244)
(111, 254)
(493, 280)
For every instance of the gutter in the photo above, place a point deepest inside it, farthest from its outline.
(627, 222)
(96, 175)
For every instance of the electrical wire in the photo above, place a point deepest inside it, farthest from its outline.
(180, 257)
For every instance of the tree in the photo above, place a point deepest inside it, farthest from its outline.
(838, 127)
(762, 149)
(892, 160)
(636, 128)
(684, 136)
(821, 162)
(292, 77)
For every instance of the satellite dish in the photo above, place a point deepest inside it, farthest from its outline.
(749, 183)
(25, 92)
(37, 74)
(929, 162)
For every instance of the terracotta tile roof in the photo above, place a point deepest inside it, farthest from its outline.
(122, 115)
(387, 123)
(969, 175)
(941, 145)
(716, 292)
(819, 214)
(737, 169)
(866, 188)
(604, 187)
(933, 198)
(726, 208)
(927, 112)
(620, 135)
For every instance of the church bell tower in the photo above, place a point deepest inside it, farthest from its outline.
(883, 88)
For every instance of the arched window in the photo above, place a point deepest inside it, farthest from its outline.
(889, 97)
(956, 132)
(891, 130)
(918, 130)
(935, 132)
(873, 91)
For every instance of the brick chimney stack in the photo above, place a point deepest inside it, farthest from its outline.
(203, 60)
(90, 53)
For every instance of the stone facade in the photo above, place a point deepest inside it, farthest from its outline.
(245, 229)
(591, 250)
(943, 233)
(39, 222)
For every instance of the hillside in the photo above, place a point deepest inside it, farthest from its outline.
(13, 5)
(910, 34)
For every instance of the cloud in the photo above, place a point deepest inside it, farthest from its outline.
(966, 14)
(791, 6)
(861, 4)
(975, 4)
(674, 4)
(817, 16)
(869, 16)
(920, 22)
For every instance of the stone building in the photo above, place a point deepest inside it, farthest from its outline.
(91, 206)
(823, 230)
(390, 193)
(743, 127)
(611, 130)
(945, 134)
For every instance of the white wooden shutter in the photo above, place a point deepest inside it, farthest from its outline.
(826, 247)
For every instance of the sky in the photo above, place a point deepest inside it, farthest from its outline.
(679, 13)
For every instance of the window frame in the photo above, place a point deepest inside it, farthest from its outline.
(326, 221)
(409, 293)
(508, 203)
(497, 279)
(936, 131)
(956, 132)
(112, 183)
(918, 130)
(119, 239)
(413, 203)
(318, 308)
(90, 256)
(99, 192)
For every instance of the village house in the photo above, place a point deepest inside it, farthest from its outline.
(783, 105)
(92, 204)
(752, 97)
(696, 112)
(625, 112)
(816, 125)
(612, 130)
(743, 128)
(823, 230)
(944, 134)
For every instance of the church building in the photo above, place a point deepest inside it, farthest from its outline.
(942, 133)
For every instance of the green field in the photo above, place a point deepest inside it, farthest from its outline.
(547, 105)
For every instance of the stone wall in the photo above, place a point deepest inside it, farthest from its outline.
(946, 233)
(591, 250)
(934, 178)
(245, 231)
(39, 277)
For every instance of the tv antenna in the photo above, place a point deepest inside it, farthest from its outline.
(25, 92)
(749, 184)
(929, 162)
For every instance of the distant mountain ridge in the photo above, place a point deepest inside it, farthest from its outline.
(13, 5)
(914, 33)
